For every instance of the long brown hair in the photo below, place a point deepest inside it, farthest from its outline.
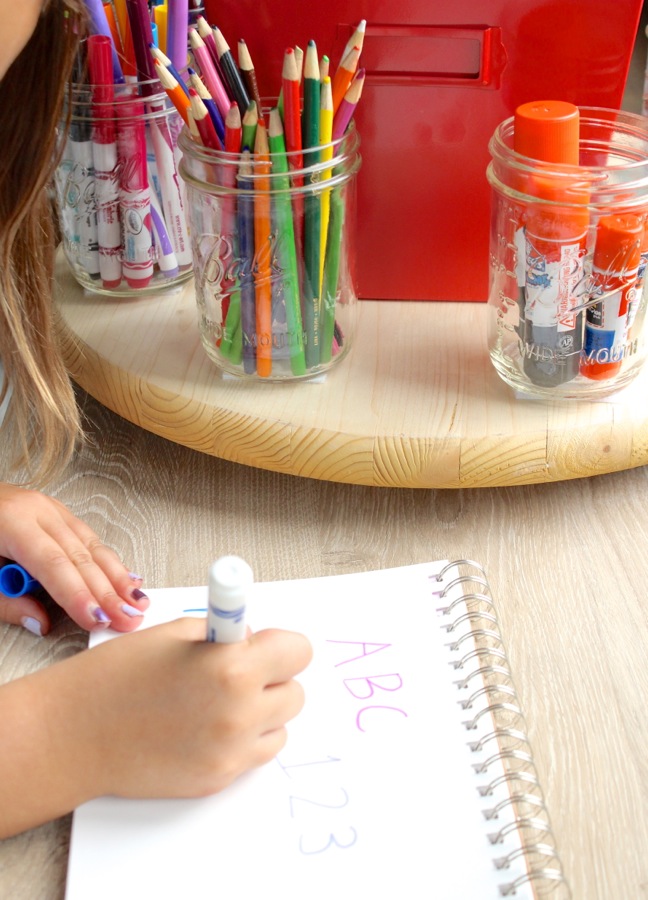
(43, 417)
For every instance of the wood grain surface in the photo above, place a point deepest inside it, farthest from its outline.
(416, 403)
(566, 561)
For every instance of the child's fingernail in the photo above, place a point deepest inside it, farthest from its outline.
(100, 617)
(136, 594)
(131, 611)
(135, 577)
(32, 625)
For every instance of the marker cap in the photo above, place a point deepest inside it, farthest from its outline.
(230, 578)
(618, 243)
(547, 130)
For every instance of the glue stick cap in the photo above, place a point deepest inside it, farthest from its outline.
(547, 130)
(618, 243)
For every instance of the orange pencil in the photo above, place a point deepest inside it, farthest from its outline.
(175, 93)
(263, 253)
(344, 76)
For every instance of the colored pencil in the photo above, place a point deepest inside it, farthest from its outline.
(325, 139)
(249, 124)
(291, 108)
(212, 79)
(178, 96)
(245, 230)
(206, 33)
(203, 121)
(286, 243)
(348, 105)
(324, 67)
(233, 129)
(331, 274)
(162, 58)
(196, 83)
(343, 76)
(356, 39)
(230, 71)
(248, 73)
(263, 252)
(312, 207)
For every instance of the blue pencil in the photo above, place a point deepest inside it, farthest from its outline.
(245, 221)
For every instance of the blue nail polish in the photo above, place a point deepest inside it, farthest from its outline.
(135, 577)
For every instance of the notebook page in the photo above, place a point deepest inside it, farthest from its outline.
(375, 793)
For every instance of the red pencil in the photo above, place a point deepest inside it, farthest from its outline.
(291, 108)
(233, 129)
(203, 121)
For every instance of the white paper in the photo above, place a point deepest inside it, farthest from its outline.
(375, 794)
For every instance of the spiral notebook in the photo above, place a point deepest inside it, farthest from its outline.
(407, 774)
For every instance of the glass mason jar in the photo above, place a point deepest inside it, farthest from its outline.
(274, 256)
(120, 202)
(568, 249)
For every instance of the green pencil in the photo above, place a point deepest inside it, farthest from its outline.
(249, 126)
(286, 242)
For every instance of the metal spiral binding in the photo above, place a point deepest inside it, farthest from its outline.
(486, 676)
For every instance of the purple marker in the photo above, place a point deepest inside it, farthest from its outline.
(177, 24)
(99, 25)
(166, 258)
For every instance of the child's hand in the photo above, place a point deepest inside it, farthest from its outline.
(158, 713)
(80, 573)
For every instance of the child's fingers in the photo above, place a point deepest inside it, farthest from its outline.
(67, 570)
(24, 611)
(283, 653)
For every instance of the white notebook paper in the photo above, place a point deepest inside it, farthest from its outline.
(378, 792)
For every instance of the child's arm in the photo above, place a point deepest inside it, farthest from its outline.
(158, 713)
(80, 573)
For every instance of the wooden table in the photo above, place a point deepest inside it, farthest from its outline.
(416, 404)
(567, 563)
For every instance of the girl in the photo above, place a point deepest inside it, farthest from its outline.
(155, 713)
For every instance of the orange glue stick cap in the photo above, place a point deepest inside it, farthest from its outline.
(618, 243)
(547, 130)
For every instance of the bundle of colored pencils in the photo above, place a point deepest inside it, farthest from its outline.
(224, 113)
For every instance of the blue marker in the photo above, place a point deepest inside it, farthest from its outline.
(16, 581)
(230, 580)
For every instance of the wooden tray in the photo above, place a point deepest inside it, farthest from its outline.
(416, 403)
